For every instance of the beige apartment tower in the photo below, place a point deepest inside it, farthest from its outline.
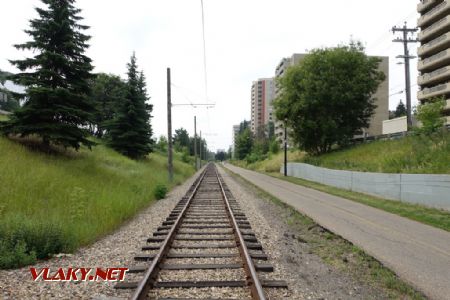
(262, 95)
(434, 51)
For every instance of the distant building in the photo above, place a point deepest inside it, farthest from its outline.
(381, 101)
(262, 96)
(434, 52)
(381, 96)
(235, 134)
(281, 68)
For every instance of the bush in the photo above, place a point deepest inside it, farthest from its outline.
(22, 243)
(14, 256)
(185, 156)
(430, 114)
(160, 191)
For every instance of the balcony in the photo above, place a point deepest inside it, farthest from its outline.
(434, 46)
(434, 30)
(436, 61)
(425, 4)
(434, 14)
(434, 77)
(436, 91)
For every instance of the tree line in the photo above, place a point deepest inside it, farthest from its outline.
(255, 146)
(64, 102)
(185, 144)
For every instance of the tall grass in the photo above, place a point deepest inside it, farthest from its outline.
(274, 162)
(413, 154)
(69, 200)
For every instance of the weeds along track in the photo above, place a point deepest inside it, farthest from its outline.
(205, 249)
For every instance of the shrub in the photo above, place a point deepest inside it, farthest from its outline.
(160, 191)
(430, 114)
(22, 243)
(185, 156)
(14, 256)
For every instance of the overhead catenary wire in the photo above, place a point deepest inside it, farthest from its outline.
(204, 50)
(205, 69)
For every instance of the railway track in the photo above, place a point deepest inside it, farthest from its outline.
(205, 249)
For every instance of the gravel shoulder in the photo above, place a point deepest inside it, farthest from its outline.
(308, 276)
(114, 250)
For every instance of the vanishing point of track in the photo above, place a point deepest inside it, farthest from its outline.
(204, 222)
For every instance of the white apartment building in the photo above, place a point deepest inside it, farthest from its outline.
(434, 51)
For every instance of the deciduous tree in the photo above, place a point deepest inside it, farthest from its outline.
(328, 97)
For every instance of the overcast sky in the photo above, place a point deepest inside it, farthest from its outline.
(245, 40)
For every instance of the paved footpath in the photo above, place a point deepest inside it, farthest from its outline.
(417, 253)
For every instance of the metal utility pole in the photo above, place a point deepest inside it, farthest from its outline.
(169, 128)
(285, 149)
(405, 40)
(195, 142)
(201, 149)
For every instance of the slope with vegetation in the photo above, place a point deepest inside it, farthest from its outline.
(56, 203)
(413, 154)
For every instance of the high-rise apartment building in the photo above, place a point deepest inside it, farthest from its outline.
(262, 95)
(281, 68)
(434, 51)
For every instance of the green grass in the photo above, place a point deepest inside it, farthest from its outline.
(273, 163)
(438, 218)
(338, 252)
(59, 202)
(413, 154)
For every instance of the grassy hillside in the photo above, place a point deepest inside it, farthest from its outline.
(414, 154)
(56, 203)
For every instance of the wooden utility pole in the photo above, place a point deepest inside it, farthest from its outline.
(405, 40)
(195, 142)
(201, 149)
(169, 128)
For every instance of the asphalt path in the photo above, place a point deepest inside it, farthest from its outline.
(419, 254)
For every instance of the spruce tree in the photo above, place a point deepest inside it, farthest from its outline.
(130, 131)
(400, 111)
(57, 106)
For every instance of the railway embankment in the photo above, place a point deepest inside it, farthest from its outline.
(56, 202)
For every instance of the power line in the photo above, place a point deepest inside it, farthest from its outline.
(204, 63)
(204, 50)
(386, 35)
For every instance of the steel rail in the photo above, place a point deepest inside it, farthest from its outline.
(147, 282)
(252, 279)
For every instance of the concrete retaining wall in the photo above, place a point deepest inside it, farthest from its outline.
(429, 190)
